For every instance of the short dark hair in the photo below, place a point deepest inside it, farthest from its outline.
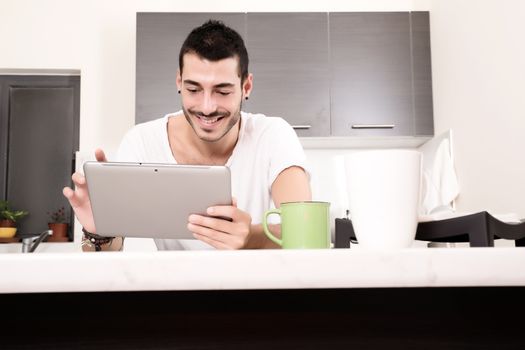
(215, 41)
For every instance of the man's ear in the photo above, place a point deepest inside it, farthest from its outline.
(179, 80)
(247, 86)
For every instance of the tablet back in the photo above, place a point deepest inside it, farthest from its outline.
(153, 200)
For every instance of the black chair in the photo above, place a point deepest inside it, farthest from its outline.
(479, 230)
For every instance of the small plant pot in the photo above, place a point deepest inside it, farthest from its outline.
(7, 223)
(59, 230)
(7, 228)
(7, 232)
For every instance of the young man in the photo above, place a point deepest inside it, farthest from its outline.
(266, 160)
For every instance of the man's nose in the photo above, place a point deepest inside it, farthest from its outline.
(208, 105)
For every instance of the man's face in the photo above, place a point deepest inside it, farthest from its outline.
(211, 95)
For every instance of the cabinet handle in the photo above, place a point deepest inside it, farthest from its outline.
(373, 126)
(301, 127)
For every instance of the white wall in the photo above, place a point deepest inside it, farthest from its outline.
(477, 53)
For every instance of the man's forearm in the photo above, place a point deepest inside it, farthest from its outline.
(259, 240)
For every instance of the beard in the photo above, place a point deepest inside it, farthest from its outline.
(233, 118)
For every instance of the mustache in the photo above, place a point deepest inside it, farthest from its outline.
(210, 115)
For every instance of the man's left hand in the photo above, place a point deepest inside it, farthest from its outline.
(221, 233)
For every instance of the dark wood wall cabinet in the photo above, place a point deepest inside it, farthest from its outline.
(327, 74)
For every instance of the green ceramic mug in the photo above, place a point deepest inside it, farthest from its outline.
(304, 225)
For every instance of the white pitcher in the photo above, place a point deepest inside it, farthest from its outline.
(383, 196)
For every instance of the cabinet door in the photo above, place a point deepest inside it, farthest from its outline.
(289, 61)
(422, 69)
(159, 39)
(371, 85)
(41, 115)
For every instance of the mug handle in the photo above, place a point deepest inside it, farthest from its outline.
(267, 231)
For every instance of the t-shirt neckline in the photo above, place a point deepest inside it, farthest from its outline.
(167, 147)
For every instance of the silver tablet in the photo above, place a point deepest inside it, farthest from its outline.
(153, 200)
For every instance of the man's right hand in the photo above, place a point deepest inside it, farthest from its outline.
(79, 198)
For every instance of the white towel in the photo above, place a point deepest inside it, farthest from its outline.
(440, 185)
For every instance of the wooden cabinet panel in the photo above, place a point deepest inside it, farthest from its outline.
(422, 74)
(371, 73)
(289, 60)
(159, 39)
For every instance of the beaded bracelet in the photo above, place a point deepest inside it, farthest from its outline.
(95, 240)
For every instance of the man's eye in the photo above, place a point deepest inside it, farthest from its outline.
(192, 90)
(224, 93)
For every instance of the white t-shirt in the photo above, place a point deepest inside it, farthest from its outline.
(265, 147)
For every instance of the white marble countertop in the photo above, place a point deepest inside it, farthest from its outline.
(261, 269)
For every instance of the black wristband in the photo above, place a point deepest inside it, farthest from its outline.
(96, 240)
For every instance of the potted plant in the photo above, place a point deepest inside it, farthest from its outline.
(8, 219)
(58, 223)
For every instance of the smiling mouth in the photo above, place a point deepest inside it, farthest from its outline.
(209, 121)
